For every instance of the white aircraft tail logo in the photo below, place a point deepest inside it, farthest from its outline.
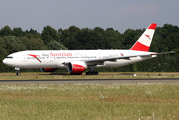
(143, 43)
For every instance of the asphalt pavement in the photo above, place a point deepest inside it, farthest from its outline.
(92, 81)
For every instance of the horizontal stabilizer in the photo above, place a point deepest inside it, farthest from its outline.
(163, 53)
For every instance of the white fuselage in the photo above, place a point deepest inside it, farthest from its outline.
(57, 58)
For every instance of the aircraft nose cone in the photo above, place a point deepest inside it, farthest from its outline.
(7, 62)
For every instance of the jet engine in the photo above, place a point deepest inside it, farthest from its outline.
(48, 69)
(77, 67)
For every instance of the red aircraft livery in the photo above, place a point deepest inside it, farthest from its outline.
(60, 54)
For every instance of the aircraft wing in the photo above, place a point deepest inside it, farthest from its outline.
(110, 58)
(125, 57)
(113, 58)
(121, 57)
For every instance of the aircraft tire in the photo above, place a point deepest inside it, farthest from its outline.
(88, 73)
(92, 73)
(96, 73)
(18, 73)
(75, 73)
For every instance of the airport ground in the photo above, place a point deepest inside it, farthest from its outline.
(102, 75)
(147, 100)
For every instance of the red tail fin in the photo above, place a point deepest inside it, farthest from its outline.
(143, 43)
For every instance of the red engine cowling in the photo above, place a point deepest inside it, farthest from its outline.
(77, 67)
(48, 69)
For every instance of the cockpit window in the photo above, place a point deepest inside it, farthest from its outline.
(9, 57)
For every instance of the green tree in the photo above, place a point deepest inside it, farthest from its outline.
(13, 44)
(114, 38)
(86, 38)
(69, 37)
(17, 32)
(33, 44)
(6, 31)
(3, 54)
(49, 34)
(32, 34)
(54, 45)
(134, 67)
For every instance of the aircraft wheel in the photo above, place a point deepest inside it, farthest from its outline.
(75, 73)
(96, 73)
(91, 73)
(88, 73)
(18, 73)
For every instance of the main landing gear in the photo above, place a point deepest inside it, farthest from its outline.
(18, 71)
(91, 72)
(75, 73)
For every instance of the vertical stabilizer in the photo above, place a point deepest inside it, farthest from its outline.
(143, 43)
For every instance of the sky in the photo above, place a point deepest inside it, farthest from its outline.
(117, 14)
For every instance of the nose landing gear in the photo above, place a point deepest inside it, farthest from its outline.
(18, 71)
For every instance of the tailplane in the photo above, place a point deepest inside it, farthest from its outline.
(143, 43)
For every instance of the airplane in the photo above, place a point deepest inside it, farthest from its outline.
(77, 61)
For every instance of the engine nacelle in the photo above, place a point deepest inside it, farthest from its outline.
(48, 69)
(77, 67)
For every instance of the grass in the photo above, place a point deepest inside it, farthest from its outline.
(90, 102)
(102, 75)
